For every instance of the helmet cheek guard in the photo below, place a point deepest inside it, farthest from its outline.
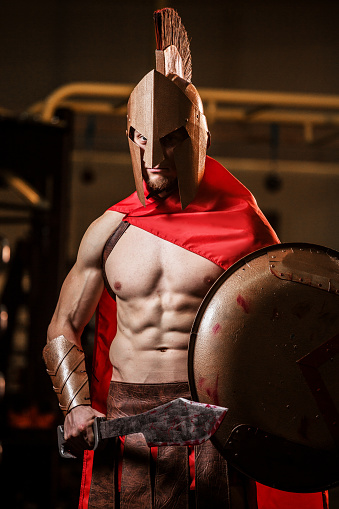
(136, 156)
(190, 157)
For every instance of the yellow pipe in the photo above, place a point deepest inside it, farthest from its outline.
(81, 89)
(25, 190)
(272, 99)
(279, 116)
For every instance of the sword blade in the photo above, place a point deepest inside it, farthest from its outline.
(179, 422)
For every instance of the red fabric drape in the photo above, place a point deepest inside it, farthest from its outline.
(268, 498)
(223, 223)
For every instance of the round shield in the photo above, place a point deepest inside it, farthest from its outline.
(265, 344)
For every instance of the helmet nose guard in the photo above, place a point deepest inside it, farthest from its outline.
(153, 154)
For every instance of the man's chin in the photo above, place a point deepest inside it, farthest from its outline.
(161, 184)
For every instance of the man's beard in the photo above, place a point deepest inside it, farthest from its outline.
(161, 184)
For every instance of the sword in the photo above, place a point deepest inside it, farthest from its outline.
(179, 422)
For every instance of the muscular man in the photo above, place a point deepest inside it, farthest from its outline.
(158, 286)
(145, 268)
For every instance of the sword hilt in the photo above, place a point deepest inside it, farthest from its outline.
(74, 447)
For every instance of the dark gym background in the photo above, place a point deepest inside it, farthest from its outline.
(77, 164)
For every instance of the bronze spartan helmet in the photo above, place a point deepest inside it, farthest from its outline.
(164, 102)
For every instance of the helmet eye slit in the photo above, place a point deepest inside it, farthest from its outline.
(174, 138)
(137, 137)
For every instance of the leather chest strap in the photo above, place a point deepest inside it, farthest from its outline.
(108, 248)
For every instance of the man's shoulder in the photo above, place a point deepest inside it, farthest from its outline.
(93, 241)
(105, 224)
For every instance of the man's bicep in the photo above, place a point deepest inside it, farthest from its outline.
(77, 302)
(84, 284)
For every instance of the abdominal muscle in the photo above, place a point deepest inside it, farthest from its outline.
(151, 344)
(159, 287)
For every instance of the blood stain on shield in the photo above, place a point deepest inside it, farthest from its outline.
(212, 392)
(216, 328)
(243, 303)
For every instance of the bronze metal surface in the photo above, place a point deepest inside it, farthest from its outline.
(65, 364)
(265, 343)
(169, 61)
(156, 108)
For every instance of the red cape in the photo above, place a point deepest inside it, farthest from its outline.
(223, 224)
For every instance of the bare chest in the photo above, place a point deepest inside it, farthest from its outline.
(142, 264)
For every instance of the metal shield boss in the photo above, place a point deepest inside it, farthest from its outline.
(265, 344)
(156, 108)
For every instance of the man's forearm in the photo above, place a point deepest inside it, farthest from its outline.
(65, 364)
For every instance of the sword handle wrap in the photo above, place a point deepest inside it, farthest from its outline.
(65, 364)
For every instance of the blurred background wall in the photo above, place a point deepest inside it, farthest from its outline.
(262, 46)
(80, 163)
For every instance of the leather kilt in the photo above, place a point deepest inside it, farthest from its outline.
(128, 474)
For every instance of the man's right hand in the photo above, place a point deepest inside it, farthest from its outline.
(78, 425)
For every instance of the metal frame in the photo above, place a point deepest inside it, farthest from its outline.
(307, 110)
